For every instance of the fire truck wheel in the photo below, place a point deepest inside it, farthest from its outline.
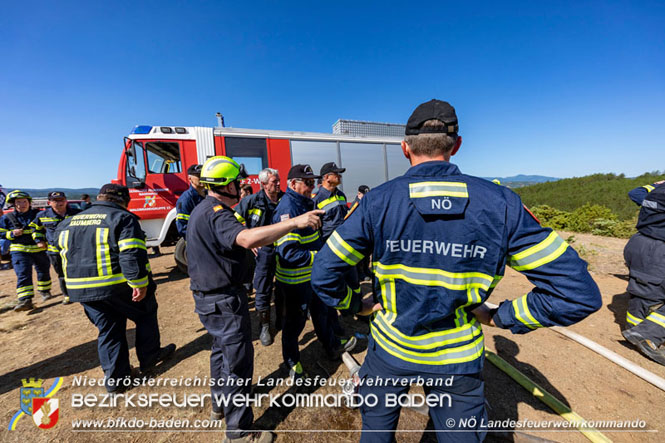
(180, 255)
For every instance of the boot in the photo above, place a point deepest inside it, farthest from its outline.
(265, 337)
(24, 305)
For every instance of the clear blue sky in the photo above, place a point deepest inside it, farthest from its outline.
(552, 88)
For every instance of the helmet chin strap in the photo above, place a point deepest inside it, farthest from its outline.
(235, 196)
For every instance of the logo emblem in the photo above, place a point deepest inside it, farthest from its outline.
(46, 412)
(149, 201)
(31, 388)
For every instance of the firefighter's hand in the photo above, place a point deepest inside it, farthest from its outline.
(17, 232)
(138, 294)
(42, 245)
(255, 251)
(311, 219)
(369, 307)
(483, 315)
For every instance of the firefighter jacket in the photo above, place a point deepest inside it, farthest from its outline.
(27, 242)
(184, 207)
(103, 253)
(440, 241)
(296, 250)
(46, 223)
(334, 203)
(651, 221)
(257, 209)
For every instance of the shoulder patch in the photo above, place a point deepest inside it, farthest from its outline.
(217, 208)
(284, 217)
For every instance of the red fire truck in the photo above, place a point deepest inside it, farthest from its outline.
(155, 159)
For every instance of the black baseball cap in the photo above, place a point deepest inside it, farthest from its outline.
(433, 109)
(56, 194)
(331, 167)
(301, 171)
(194, 170)
(115, 189)
(363, 189)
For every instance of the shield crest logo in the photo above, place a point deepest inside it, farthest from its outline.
(27, 394)
(46, 412)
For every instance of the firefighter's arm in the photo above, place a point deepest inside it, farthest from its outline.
(242, 210)
(4, 229)
(564, 292)
(133, 255)
(184, 209)
(38, 231)
(349, 244)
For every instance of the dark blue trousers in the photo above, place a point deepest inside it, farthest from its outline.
(56, 262)
(23, 263)
(466, 400)
(297, 300)
(226, 318)
(110, 316)
(264, 273)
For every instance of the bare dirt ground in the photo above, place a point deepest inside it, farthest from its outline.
(59, 341)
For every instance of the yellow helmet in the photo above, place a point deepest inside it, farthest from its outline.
(12, 196)
(220, 171)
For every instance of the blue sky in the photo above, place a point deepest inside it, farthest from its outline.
(551, 88)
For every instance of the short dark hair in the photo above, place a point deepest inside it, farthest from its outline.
(247, 188)
(431, 145)
(113, 199)
(84, 196)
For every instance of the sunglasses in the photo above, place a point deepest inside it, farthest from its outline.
(306, 181)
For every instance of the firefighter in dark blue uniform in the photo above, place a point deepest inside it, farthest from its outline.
(257, 210)
(645, 257)
(189, 199)
(332, 200)
(106, 267)
(437, 258)
(217, 253)
(27, 249)
(295, 254)
(47, 221)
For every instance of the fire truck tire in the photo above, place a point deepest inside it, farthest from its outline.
(180, 255)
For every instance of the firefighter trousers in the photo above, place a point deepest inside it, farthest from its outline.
(458, 402)
(110, 317)
(264, 273)
(647, 317)
(56, 262)
(23, 263)
(226, 318)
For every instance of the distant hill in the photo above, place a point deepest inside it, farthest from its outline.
(520, 180)
(609, 190)
(72, 193)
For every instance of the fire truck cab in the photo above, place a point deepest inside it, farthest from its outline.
(155, 159)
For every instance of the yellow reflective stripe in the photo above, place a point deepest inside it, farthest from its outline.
(497, 279)
(544, 252)
(343, 250)
(182, 216)
(239, 217)
(294, 271)
(433, 277)
(438, 189)
(388, 295)
(649, 188)
(63, 241)
(48, 219)
(255, 211)
(346, 301)
(630, 318)
(460, 354)
(294, 280)
(130, 243)
(35, 226)
(24, 289)
(140, 283)
(292, 236)
(335, 199)
(52, 248)
(657, 318)
(17, 247)
(94, 282)
(103, 251)
(522, 313)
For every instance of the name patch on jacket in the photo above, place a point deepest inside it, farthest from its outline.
(87, 219)
(436, 247)
(439, 197)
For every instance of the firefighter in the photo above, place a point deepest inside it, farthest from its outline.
(257, 210)
(295, 254)
(46, 222)
(27, 250)
(645, 257)
(437, 258)
(189, 199)
(4, 243)
(217, 252)
(333, 201)
(106, 267)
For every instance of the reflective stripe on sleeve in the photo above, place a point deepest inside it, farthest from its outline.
(522, 313)
(538, 255)
(139, 283)
(181, 216)
(329, 203)
(343, 250)
(130, 243)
